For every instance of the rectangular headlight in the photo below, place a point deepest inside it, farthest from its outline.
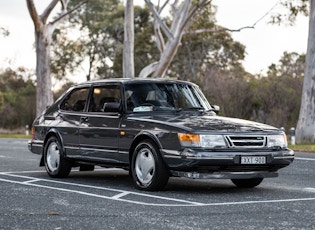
(204, 141)
(212, 141)
(277, 141)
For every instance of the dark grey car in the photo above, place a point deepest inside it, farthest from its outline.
(155, 128)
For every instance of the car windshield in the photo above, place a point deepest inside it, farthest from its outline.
(146, 97)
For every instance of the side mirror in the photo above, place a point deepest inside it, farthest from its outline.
(111, 107)
(216, 108)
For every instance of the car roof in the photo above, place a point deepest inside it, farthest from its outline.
(133, 80)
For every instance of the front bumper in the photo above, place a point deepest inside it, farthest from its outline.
(225, 175)
(200, 164)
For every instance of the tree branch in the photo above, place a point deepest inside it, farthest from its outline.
(159, 20)
(195, 10)
(70, 11)
(34, 15)
(146, 71)
(48, 10)
(4, 32)
(180, 18)
(160, 9)
(219, 30)
(159, 38)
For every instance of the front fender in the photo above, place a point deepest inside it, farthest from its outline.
(50, 133)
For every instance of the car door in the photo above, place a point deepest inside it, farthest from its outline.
(99, 129)
(69, 118)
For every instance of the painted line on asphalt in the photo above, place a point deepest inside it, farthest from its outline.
(72, 170)
(31, 181)
(23, 172)
(121, 193)
(1, 156)
(304, 159)
(309, 189)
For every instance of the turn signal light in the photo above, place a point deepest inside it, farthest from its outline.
(33, 133)
(188, 137)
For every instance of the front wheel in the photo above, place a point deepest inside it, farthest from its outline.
(55, 163)
(247, 183)
(148, 169)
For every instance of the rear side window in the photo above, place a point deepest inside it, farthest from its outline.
(102, 95)
(76, 100)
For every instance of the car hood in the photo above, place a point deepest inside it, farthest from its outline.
(205, 122)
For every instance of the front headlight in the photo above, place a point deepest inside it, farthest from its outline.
(204, 141)
(277, 141)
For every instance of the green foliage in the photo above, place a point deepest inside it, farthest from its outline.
(18, 99)
(1, 100)
(67, 56)
(64, 88)
(100, 24)
(4, 32)
(145, 51)
(293, 9)
(273, 99)
(101, 44)
(211, 58)
(277, 97)
(205, 46)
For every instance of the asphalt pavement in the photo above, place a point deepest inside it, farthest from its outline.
(106, 198)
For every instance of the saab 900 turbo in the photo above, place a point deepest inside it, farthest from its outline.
(155, 128)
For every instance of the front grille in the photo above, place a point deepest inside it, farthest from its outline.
(246, 141)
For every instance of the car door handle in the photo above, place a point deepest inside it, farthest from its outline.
(84, 119)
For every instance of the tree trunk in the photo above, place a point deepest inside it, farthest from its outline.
(43, 36)
(167, 56)
(305, 130)
(43, 90)
(128, 61)
(183, 14)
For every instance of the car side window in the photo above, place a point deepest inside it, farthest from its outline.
(76, 100)
(103, 96)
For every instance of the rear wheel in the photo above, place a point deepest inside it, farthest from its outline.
(247, 183)
(55, 163)
(148, 170)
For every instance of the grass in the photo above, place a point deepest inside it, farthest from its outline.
(303, 147)
(15, 136)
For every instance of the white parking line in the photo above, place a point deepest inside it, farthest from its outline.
(261, 201)
(309, 189)
(122, 195)
(304, 159)
(119, 195)
(31, 181)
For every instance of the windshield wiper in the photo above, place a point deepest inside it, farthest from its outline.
(200, 109)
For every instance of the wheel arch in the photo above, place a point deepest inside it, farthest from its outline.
(52, 132)
(140, 137)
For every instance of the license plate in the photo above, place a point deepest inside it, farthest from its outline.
(253, 160)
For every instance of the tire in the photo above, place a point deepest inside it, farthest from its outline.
(148, 169)
(55, 163)
(247, 183)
